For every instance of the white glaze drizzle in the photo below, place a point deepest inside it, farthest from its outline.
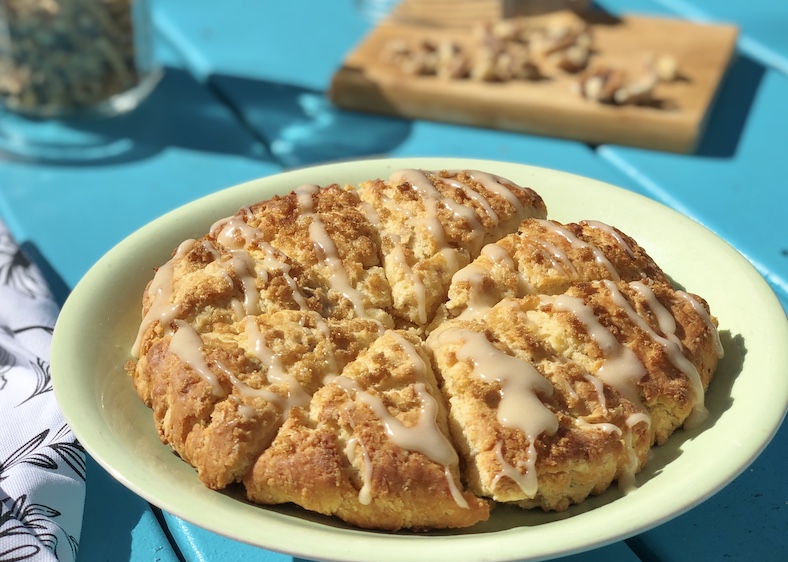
(626, 480)
(239, 311)
(225, 231)
(248, 391)
(425, 436)
(371, 214)
(701, 311)
(350, 388)
(365, 493)
(161, 309)
(480, 301)
(433, 198)
(665, 320)
(575, 242)
(327, 251)
(620, 368)
(243, 267)
(187, 344)
(558, 258)
(211, 249)
(498, 254)
(570, 389)
(613, 233)
(246, 412)
(275, 372)
(607, 427)
(480, 199)
(495, 185)
(599, 388)
(420, 290)
(520, 383)
(523, 475)
(673, 351)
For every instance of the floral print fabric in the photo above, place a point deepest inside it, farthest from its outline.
(42, 466)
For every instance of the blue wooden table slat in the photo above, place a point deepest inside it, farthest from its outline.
(119, 525)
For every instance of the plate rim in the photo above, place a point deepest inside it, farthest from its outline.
(407, 546)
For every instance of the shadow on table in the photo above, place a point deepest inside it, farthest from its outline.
(303, 127)
(57, 286)
(117, 515)
(280, 122)
(180, 112)
(728, 115)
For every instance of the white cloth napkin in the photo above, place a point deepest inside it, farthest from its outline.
(42, 466)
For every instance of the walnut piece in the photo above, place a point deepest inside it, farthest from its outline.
(428, 58)
(666, 68)
(612, 86)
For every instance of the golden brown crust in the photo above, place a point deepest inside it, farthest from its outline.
(346, 464)
(352, 351)
(584, 452)
(432, 224)
(545, 257)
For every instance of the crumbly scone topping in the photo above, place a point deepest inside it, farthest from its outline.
(407, 352)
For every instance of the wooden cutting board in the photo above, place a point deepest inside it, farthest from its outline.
(367, 81)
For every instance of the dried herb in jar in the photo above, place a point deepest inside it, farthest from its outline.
(62, 56)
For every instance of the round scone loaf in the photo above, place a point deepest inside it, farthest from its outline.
(408, 352)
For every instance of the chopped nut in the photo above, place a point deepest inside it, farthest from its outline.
(552, 39)
(509, 61)
(421, 60)
(427, 58)
(573, 59)
(585, 39)
(666, 68)
(610, 86)
(452, 62)
(507, 30)
(396, 51)
(483, 69)
(481, 31)
(601, 84)
(638, 92)
(485, 38)
(517, 63)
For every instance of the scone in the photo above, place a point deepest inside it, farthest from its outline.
(551, 398)
(373, 447)
(408, 352)
(432, 224)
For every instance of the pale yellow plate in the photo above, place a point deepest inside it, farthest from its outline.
(747, 400)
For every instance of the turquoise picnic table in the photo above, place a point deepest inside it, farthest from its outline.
(243, 96)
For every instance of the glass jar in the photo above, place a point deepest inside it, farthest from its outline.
(62, 58)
